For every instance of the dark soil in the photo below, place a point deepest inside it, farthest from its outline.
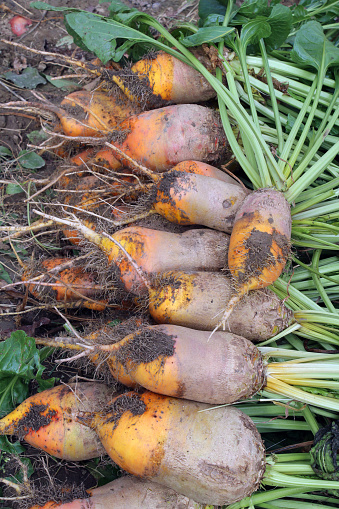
(171, 184)
(34, 419)
(147, 346)
(125, 403)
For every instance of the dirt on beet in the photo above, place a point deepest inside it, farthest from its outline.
(259, 246)
(146, 346)
(125, 403)
(36, 417)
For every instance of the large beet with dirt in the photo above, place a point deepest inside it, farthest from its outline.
(215, 457)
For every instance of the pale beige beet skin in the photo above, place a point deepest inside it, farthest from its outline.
(130, 493)
(133, 493)
(224, 452)
(265, 202)
(197, 199)
(187, 82)
(201, 168)
(156, 252)
(198, 300)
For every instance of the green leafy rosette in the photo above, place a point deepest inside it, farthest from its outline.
(324, 454)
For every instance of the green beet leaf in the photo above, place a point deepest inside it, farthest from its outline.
(30, 160)
(4, 276)
(10, 447)
(37, 137)
(20, 362)
(87, 27)
(280, 21)
(311, 47)
(29, 78)
(207, 7)
(47, 7)
(67, 85)
(214, 20)
(253, 8)
(255, 30)
(5, 152)
(12, 188)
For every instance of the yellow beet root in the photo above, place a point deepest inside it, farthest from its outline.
(214, 457)
(198, 299)
(181, 362)
(155, 81)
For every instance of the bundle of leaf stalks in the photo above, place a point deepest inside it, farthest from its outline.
(207, 260)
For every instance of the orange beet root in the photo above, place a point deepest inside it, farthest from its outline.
(94, 113)
(65, 282)
(46, 422)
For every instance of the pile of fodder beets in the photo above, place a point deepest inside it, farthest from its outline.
(189, 251)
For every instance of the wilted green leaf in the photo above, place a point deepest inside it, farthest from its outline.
(5, 152)
(12, 188)
(67, 85)
(4, 274)
(29, 78)
(37, 137)
(19, 363)
(30, 160)
(64, 41)
(18, 247)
